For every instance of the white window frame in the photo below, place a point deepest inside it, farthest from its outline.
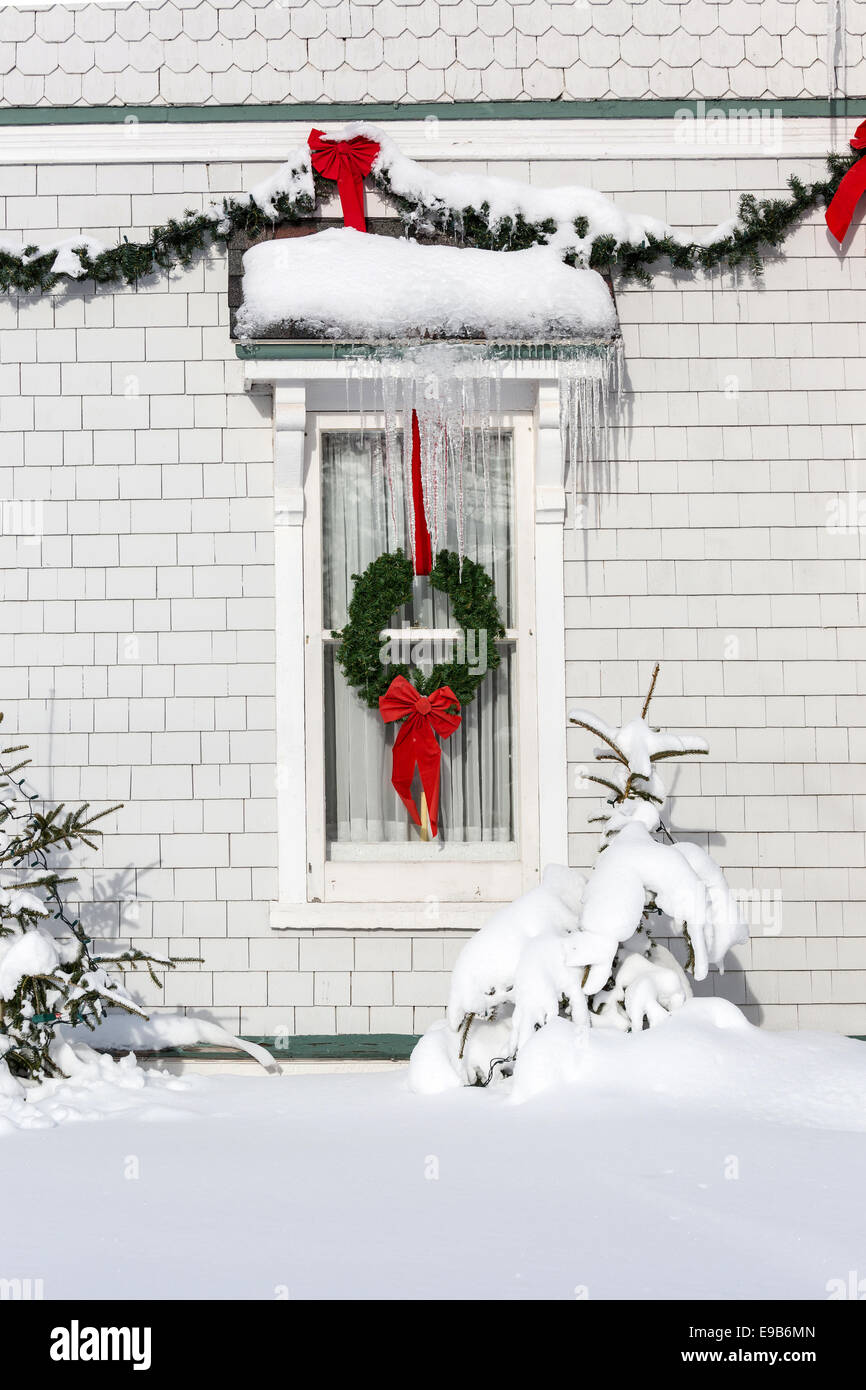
(300, 385)
(399, 873)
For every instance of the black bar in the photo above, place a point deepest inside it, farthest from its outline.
(638, 1341)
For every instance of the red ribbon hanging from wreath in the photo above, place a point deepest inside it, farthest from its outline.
(348, 161)
(424, 717)
(850, 191)
(423, 546)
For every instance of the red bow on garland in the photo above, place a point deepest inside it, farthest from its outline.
(425, 717)
(347, 161)
(848, 194)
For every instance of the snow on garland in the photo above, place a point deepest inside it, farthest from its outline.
(575, 952)
(485, 212)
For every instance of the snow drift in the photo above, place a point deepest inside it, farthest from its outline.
(576, 954)
(619, 1181)
(708, 1058)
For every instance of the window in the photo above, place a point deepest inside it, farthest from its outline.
(356, 823)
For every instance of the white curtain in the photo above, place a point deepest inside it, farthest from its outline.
(362, 517)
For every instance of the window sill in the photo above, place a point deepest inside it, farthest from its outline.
(409, 917)
(415, 851)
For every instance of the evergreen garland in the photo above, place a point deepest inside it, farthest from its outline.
(178, 242)
(386, 586)
(762, 224)
(762, 227)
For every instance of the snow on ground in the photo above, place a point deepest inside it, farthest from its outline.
(349, 1186)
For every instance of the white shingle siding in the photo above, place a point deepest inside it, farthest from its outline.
(137, 640)
(261, 51)
(137, 636)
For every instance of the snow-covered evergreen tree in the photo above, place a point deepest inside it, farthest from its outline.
(582, 949)
(48, 973)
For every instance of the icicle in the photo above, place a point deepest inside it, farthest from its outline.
(837, 48)
(456, 391)
(469, 426)
(587, 390)
(393, 448)
(403, 435)
(482, 408)
(461, 520)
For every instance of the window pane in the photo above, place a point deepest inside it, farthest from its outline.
(477, 770)
(360, 521)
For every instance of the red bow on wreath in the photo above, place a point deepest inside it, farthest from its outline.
(424, 717)
(851, 189)
(347, 161)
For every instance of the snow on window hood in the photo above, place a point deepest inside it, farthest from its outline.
(341, 283)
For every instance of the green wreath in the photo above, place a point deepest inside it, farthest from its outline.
(385, 586)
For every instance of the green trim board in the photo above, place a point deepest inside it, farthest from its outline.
(342, 1047)
(614, 109)
(326, 1047)
(380, 1047)
(340, 351)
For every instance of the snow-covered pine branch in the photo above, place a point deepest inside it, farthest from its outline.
(48, 973)
(52, 981)
(580, 949)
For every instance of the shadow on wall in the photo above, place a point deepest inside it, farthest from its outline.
(760, 912)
